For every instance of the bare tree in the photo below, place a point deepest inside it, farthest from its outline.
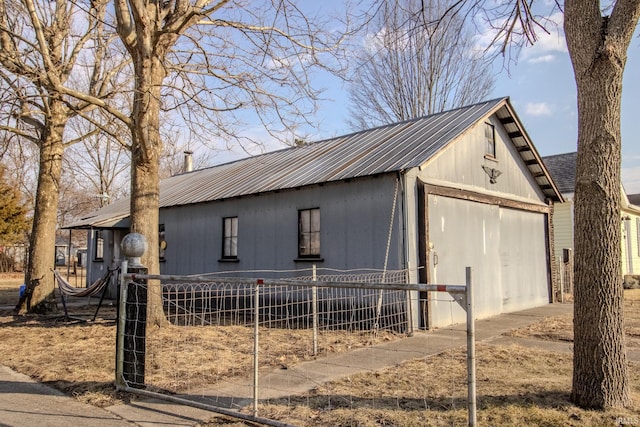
(175, 151)
(407, 69)
(598, 46)
(209, 59)
(99, 164)
(41, 45)
(598, 37)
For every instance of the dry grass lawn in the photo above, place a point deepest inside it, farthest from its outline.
(516, 385)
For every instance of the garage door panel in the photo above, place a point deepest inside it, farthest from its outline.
(524, 260)
(505, 247)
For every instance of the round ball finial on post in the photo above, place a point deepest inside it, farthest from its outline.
(133, 246)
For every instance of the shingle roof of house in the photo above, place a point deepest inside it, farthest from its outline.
(634, 199)
(563, 170)
(390, 148)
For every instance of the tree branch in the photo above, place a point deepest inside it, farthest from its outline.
(95, 101)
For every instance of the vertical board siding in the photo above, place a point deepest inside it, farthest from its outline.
(462, 163)
(354, 225)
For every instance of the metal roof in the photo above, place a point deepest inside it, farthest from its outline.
(390, 148)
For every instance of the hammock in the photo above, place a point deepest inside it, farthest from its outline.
(97, 287)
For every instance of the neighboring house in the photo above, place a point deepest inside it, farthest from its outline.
(62, 252)
(432, 195)
(563, 170)
(634, 199)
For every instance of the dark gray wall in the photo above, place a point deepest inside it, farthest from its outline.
(355, 218)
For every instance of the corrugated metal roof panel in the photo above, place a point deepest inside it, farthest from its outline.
(114, 215)
(384, 149)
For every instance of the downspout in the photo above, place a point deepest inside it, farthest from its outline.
(403, 208)
(411, 321)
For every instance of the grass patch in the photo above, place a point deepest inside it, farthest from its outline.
(432, 392)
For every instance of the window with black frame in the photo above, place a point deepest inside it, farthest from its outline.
(230, 238)
(490, 138)
(309, 233)
(99, 245)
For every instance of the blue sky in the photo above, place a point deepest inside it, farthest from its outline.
(542, 89)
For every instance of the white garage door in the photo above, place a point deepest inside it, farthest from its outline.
(505, 247)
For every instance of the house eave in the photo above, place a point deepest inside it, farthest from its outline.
(529, 154)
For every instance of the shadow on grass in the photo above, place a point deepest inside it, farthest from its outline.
(9, 297)
(77, 316)
(553, 399)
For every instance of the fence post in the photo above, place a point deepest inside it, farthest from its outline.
(122, 300)
(407, 279)
(314, 309)
(132, 319)
(471, 351)
(256, 314)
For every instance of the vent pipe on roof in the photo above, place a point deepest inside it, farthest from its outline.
(188, 161)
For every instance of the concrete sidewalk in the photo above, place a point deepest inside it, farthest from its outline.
(24, 402)
(306, 376)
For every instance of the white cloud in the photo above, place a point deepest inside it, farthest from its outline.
(543, 58)
(545, 48)
(538, 109)
(547, 45)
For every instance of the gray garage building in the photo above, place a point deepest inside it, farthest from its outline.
(464, 187)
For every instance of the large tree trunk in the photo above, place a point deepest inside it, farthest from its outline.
(39, 297)
(600, 378)
(145, 165)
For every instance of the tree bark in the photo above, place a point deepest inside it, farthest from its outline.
(145, 166)
(39, 297)
(148, 32)
(597, 46)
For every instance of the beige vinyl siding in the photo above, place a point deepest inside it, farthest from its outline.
(563, 227)
(635, 242)
(630, 231)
